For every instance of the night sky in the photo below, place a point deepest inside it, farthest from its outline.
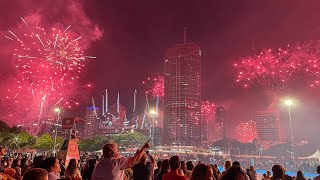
(137, 33)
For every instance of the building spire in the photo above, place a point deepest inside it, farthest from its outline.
(185, 35)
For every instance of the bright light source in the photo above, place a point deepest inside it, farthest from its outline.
(288, 102)
(57, 110)
(153, 112)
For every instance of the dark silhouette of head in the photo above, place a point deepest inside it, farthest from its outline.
(201, 171)
(190, 165)
(165, 165)
(92, 163)
(278, 171)
(235, 172)
(300, 175)
(236, 163)
(35, 174)
(38, 161)
(174, 163)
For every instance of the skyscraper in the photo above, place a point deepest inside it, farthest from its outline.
(91, 121)
(220, 114)
(182, 99)
(268, 131)
(204, 128)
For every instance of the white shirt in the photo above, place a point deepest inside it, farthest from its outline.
(110, 169)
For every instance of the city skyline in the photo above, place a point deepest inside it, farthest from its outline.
(136, 35)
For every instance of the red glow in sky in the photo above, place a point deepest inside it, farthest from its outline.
(246, 131)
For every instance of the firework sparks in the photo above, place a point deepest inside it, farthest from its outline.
(207, 109)
(273, 70)
(247, 131)
(49, 59)
(155, 86)
(270, 70)
(308, 54)
(48, 63)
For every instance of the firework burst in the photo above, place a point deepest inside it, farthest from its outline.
(271, 70)
(48, 64)
(207, 109)
(50, 59)
(155, 86)
(308, 54)
(247, 131)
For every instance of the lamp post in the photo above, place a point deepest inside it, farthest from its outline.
(56, 130)
(289, 103)
(153, 114)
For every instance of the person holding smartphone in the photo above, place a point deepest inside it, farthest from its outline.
(144, 170)
(112, 166)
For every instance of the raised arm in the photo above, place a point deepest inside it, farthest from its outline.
(133, 160)
(153, 162)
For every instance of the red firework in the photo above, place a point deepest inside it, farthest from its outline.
(48, 64)
(155, 86)
(308, 55)
(247, 131)
(273, 70)
(48, 59)
(270, 70)
(207, 109)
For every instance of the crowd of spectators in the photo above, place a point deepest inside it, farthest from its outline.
(140, 166)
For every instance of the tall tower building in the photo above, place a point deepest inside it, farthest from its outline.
(182, 97)
(204, 129)
(220, 114)
(268, 128)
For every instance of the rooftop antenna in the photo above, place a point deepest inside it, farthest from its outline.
(102, 105)
(185, 35)
(106, 110)
(253, 45)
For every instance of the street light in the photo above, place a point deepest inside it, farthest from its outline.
(289, 103)
(153, 113)
(56, 131)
